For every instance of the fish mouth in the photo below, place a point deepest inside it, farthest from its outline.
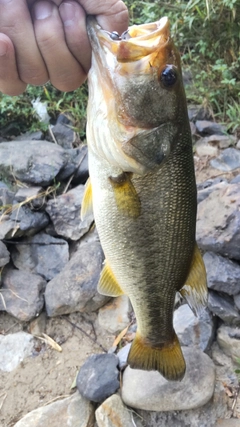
(139, 42)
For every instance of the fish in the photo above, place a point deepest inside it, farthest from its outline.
(141, 186)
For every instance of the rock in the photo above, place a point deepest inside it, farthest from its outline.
(238, 144)
(204, 148)
(74, 411)
(223, 307)
(81, 173)
(123, 355)
(222, 141)
(228, 422)
(37, 136)
(38, 325)
(6, 196)
(228, 160)
(218, 222)
(198, 112)
(206, 127)
(207, 187)
(112, 413)
(6, 227)
(63, 134)
(4, 255)
(41, 254)
(229, 341)
(75, 289)
(223, 275)
(33, 162)
(13, 349)
(235, 180)
(114, 316)
(22, 294)
(27, 221)
(63, 119)
(237, 301)
(98, 377)
(33, 195)
(64, 212)
(151, 392)
(192, 330)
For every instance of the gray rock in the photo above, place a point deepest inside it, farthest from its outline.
(222, 141)
(4, 255)
(235, 180)
(204, 148)
(218, 222)
(27, 221)
(37, 136)
(81, 173)
(22, 294)
(73, 411)
(229, 341)
(34, 162)
(98, 377)
(237, 301)
(123, 356)
(13, 349)
(41, 254)
(6, 197)
(75, 289)
(32, 194)
(64, 212)
(151, 392)
(223, 275)
(207, 187)
(64, 135)
(114, 316)
(228, 422)
(6, 227)
(112, 413)
(228, 160)
(223, 307)
(192, 330)
(197, 112)
(206, 127)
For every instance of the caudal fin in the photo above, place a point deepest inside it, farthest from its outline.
(168, 359)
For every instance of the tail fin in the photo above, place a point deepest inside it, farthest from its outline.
(168, 359)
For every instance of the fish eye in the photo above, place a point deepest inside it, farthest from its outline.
(169, 76)
(115, 36)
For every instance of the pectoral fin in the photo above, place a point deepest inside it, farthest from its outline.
(195, 288)
(126, 197)
(108, 284)
(87, 207)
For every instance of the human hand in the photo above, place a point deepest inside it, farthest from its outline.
(47, 40)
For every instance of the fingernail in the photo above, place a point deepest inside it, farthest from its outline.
(68, 13)
(43, 10)
(3, 49)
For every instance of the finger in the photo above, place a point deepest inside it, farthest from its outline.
(65, 72)
(16, 23)
(10, 83)
(74, 20)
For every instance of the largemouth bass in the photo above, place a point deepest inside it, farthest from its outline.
(142, 185)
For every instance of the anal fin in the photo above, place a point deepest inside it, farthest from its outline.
(87, 207)
(195, 288)
(167, 359)
(126, 196)
(108, 284)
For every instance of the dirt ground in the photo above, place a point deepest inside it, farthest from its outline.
(49, 374)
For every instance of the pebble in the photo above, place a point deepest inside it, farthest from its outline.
(26, 221)
(41, 254)
(123, 355)
(229, 422)
(207, 187)
(113, 413)
(64, 212)
(228, 339)
(73, 411)
(237, 301)
(206, 127)
(22, 294)
(223, 307)
(192, 330)
(151, 392)
(114, 316)
(14, 348)
(63, 134)
(203, 148)
(4, 255)
(223, 275)
(98, 378)
(227, 161)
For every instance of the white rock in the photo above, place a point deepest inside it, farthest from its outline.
(114, 316)
(227, 342)
(13, 349)
(112, 413)
(151, 392)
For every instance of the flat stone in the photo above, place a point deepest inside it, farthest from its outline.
(223, 307)
(74, 411)
(113, 413)
(22, 294)
(207, 187)
(206, 127)
(64, 212)
(228, 339)
(204, 148)
(223, 275)
(4, 255)
(151, 392)
(222, 141)
(114, 316)
(14, 348)
(75, 288)
(27, 221)
(33, 195)
(218, 222)
(228, 160)
(98, 377)
(123, 356)
(192, 330)
(41, 254)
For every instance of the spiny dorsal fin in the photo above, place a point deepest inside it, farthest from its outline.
(108, 284)
(195, 288)
(168, 360)
(126, 197)
(87, 207)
